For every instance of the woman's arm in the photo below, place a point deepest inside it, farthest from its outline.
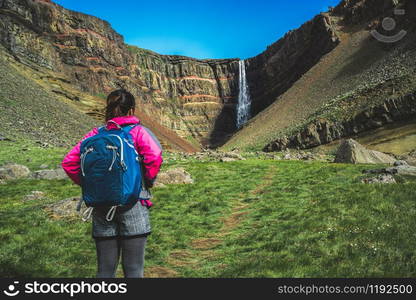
(150, 149)
(72, 161)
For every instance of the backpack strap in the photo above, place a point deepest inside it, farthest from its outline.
(145, 193)
(127, 130)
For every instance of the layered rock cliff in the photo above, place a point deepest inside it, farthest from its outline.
(181, 93)
(193, 95)
(274, 71)
(323, 130)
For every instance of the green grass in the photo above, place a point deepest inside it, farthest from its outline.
(317, 220)
(30, 154)
(300, 219)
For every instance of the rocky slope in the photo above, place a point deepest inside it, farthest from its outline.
(326, 128)
(30, 112)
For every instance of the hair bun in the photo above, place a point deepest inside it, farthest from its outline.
(119, 98)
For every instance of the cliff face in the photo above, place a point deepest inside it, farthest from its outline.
(359, 11)
(274, 71)
(181, 93)
(193, 95)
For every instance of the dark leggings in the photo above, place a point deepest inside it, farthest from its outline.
(132, 256)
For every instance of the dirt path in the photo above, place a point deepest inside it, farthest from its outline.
(201, 249)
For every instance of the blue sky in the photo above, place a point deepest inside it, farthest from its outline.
(202, 28)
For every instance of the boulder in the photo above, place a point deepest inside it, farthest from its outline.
(13, 171)
(352, 152)
(66, 208)
(287, 156)
(174, 176)
(410, 158)
(398, 163)
(49, 174)
(405, 170)
(227, 159)
(34, 195)
(234, 155)
(382, 178)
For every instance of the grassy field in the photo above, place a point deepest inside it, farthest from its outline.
(253, 218)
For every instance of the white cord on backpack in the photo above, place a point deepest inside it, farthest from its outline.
(87, 214)
(110, 215)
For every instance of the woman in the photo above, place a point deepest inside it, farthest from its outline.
(127, 232)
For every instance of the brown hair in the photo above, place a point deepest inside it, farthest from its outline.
(119, 103)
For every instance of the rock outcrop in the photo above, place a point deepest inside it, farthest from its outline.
(200, 95)
(405, 170)
(174, 176)
(275, 70)
(400, 171)
(66, 208)
(352, 152)
(381, 179)
(49, 174)
(13, 171)
(323, 131)
(410, 158)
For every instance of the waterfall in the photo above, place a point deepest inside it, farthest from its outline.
(244, 101)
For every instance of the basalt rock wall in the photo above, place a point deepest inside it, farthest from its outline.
(181, 93)
(322, 131)
(274, 71)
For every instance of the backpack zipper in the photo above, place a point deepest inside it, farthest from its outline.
(83, 155)
(114, 148)
(123, 165)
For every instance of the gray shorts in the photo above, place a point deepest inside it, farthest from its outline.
(131, 220)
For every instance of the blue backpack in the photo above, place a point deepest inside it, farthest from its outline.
(111, 173)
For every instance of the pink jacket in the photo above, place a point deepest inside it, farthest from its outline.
(144, 140)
